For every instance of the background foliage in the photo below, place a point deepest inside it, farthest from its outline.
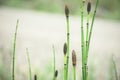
(107, 8)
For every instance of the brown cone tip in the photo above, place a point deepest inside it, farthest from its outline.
(89, 7)
(74, 58)
(65, 49)
(35, 77)
(56, 73)
(66, 11)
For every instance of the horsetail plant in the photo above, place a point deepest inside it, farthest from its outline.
(85, 44)
(88, 17)
(87, 34)
(82, 41)
(74, 63)
(65, 60)
(29, 65)
(68, 38)
(14, 51)
(91, 27)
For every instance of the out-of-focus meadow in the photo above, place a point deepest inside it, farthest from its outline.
(107, 8)
(42, 23)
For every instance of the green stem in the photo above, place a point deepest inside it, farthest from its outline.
(28, 57)
(87, 31)
(82, 40)
(74, 69)
(14, 50)
(115, 69)
(65, 67)
(68, 46)
(55, 78)
(91, 28)
(54, 61)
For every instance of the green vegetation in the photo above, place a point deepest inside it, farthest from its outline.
(74, 63)
(14, 51)
(85, 45)
(68, 40)
(105, 8)
(65, 60)
(113, 74)
(30, 73)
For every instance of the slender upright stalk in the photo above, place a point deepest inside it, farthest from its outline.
(65, 67)
(91, 27)
(74, 70)
(14, 51)
(87, 34)
(82, 40)
(65, 60)
(87, 31)
(54, 59)
(68, 38)
(74, 63)
(88, 17)
(115, 69)
(28, 57)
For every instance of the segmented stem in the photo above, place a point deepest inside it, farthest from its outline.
(14, 51)
(68, 38)
(82, 40)
(91, 27)
(65, 60)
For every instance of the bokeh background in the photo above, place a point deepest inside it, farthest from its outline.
(42, 24)
(107, 8)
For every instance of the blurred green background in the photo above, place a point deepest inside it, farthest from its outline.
(107, 8)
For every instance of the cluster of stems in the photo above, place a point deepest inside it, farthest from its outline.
(85, 39)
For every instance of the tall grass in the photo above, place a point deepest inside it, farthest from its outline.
(29, 64)
(114, 68)
(14, 52)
